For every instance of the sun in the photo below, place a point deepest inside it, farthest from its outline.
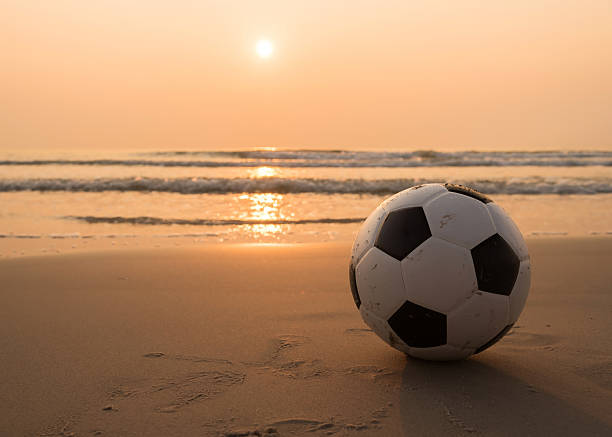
(264, 48)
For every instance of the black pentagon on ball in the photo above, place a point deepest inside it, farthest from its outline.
(494, 340)
(402, 231)
(353, 282)
(496, 265)
(418, 326)
(467, 191)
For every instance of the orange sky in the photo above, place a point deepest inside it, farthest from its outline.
(369, 74)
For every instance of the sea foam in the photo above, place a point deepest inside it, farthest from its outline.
(530, 185)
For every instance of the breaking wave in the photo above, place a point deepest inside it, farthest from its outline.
(341, 158)
(531, 185)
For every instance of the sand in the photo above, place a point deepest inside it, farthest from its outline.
(265, 340)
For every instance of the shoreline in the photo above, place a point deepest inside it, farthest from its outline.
(18, 247)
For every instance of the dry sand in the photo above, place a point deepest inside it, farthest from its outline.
(232, 340)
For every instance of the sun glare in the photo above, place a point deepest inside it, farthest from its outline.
(263, 172)
(263, 207)
(264, 48)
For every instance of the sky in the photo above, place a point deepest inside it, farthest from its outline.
(494, 75)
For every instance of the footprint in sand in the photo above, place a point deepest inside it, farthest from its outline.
(170, 393)
(192, 358)
(302, 426)
(206, 377)
(371, 372)
(277, 348)
(173, 393)
(516, 337)
(276, 359)
(358, 331)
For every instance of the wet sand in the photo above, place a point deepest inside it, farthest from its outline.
(265, 340)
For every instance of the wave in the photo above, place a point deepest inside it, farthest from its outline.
(337, 154)
(343, 159)
(207, 222)
(531, 185)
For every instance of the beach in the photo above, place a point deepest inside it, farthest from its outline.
(264, 339)
(219, 218)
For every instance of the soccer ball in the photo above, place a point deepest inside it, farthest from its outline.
(439, 271)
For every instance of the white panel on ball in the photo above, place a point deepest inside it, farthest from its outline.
(459, 219)
(440, 353)
(367, 234)
(508, 230)
(478, 320)
(518, 297)
(380, 284)
(439, 275)
(415, 196)
(382, 329)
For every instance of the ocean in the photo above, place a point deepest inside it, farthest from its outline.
(57, 202)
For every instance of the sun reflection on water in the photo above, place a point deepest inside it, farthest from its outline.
(263, 172)
(263, 207)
